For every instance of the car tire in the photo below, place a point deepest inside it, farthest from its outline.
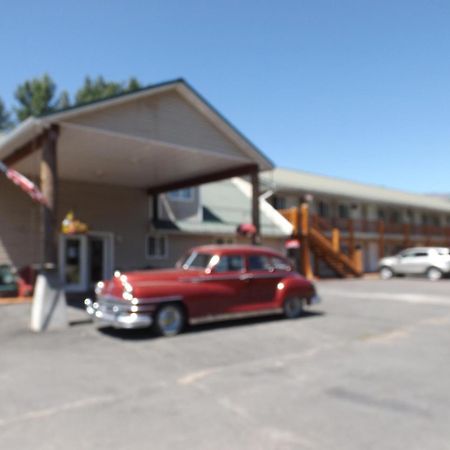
(169, 319)
(386, 273)
(433, 274)
(293, 307)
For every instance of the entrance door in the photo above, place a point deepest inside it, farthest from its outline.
(73, 258)
(85, 259)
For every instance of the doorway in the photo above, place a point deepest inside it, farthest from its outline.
(85, 259)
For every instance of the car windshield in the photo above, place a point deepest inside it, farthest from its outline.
(196, 261)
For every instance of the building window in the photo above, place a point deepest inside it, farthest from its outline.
(182, 195)
(323, 209)
(156, 246)
(279, 202)
(395, 217)
(344, 211)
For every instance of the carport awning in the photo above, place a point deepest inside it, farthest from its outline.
(159, 138)
(101, 156)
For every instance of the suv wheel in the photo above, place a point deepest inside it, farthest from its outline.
(433, 274)
(386, 273)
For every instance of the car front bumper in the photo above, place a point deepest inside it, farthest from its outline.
(118, 319)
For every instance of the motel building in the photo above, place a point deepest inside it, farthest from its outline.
(111, 163)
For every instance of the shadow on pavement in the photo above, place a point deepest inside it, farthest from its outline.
(147, 333)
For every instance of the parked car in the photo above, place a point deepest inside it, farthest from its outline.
(434, 262)
(209, 283)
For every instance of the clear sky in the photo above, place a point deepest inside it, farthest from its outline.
(358, 89)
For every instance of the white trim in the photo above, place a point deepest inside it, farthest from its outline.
(156, 236)
(269, 211)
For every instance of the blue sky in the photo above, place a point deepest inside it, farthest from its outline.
(358, 89)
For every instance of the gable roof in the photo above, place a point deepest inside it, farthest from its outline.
(287, 180)
(33, 126)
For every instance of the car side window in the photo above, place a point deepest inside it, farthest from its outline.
(229, 263)
(259, 262)
(419, 254)
(280, 264)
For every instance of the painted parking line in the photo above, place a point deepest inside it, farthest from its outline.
(428, 299)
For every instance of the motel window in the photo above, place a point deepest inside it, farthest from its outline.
(323, 209)
(156, 246)
(395, 217)
(182, 195)
(344, 211)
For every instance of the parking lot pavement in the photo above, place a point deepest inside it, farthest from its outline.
(368, 368)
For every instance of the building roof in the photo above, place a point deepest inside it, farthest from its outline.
(226, 204)
(287, 180)
(160, 138)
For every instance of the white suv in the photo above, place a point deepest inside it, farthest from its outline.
(434, 262)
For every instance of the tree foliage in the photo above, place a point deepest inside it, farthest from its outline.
(35, 97)
(5, 120)
(99, 88)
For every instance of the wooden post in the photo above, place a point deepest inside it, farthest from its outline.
(155, 208)
(256, 238)
(351, 237)
(335, 240)
(49, 187)
(305, 259)
(381, 239)
(358, 260)
(406, 234)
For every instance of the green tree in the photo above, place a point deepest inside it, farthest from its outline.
(63, 101)
(99, 88)
(35, 97)
(5, 121)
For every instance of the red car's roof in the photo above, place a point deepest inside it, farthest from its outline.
(220, 249)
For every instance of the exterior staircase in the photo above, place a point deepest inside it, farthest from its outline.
(336, 260)
(314, 240)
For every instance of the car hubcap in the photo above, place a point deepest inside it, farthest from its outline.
(294, 307)
(386, 273)
(170, 320)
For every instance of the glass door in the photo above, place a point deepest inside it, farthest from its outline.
(73, 262)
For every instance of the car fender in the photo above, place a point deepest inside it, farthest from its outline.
(293, 286)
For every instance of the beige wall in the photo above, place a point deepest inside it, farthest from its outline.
(122, 211)
(19, 225)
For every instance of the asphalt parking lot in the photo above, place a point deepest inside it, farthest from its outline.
(369, 368)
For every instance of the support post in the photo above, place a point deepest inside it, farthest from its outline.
(335, 240)
(256, 238)
(305, 257)
(351, 237)
(49, 309)
(406, 234)
(381, 239)
(49, 187)
(155, 208)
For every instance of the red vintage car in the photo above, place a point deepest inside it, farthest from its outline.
(214, 282)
